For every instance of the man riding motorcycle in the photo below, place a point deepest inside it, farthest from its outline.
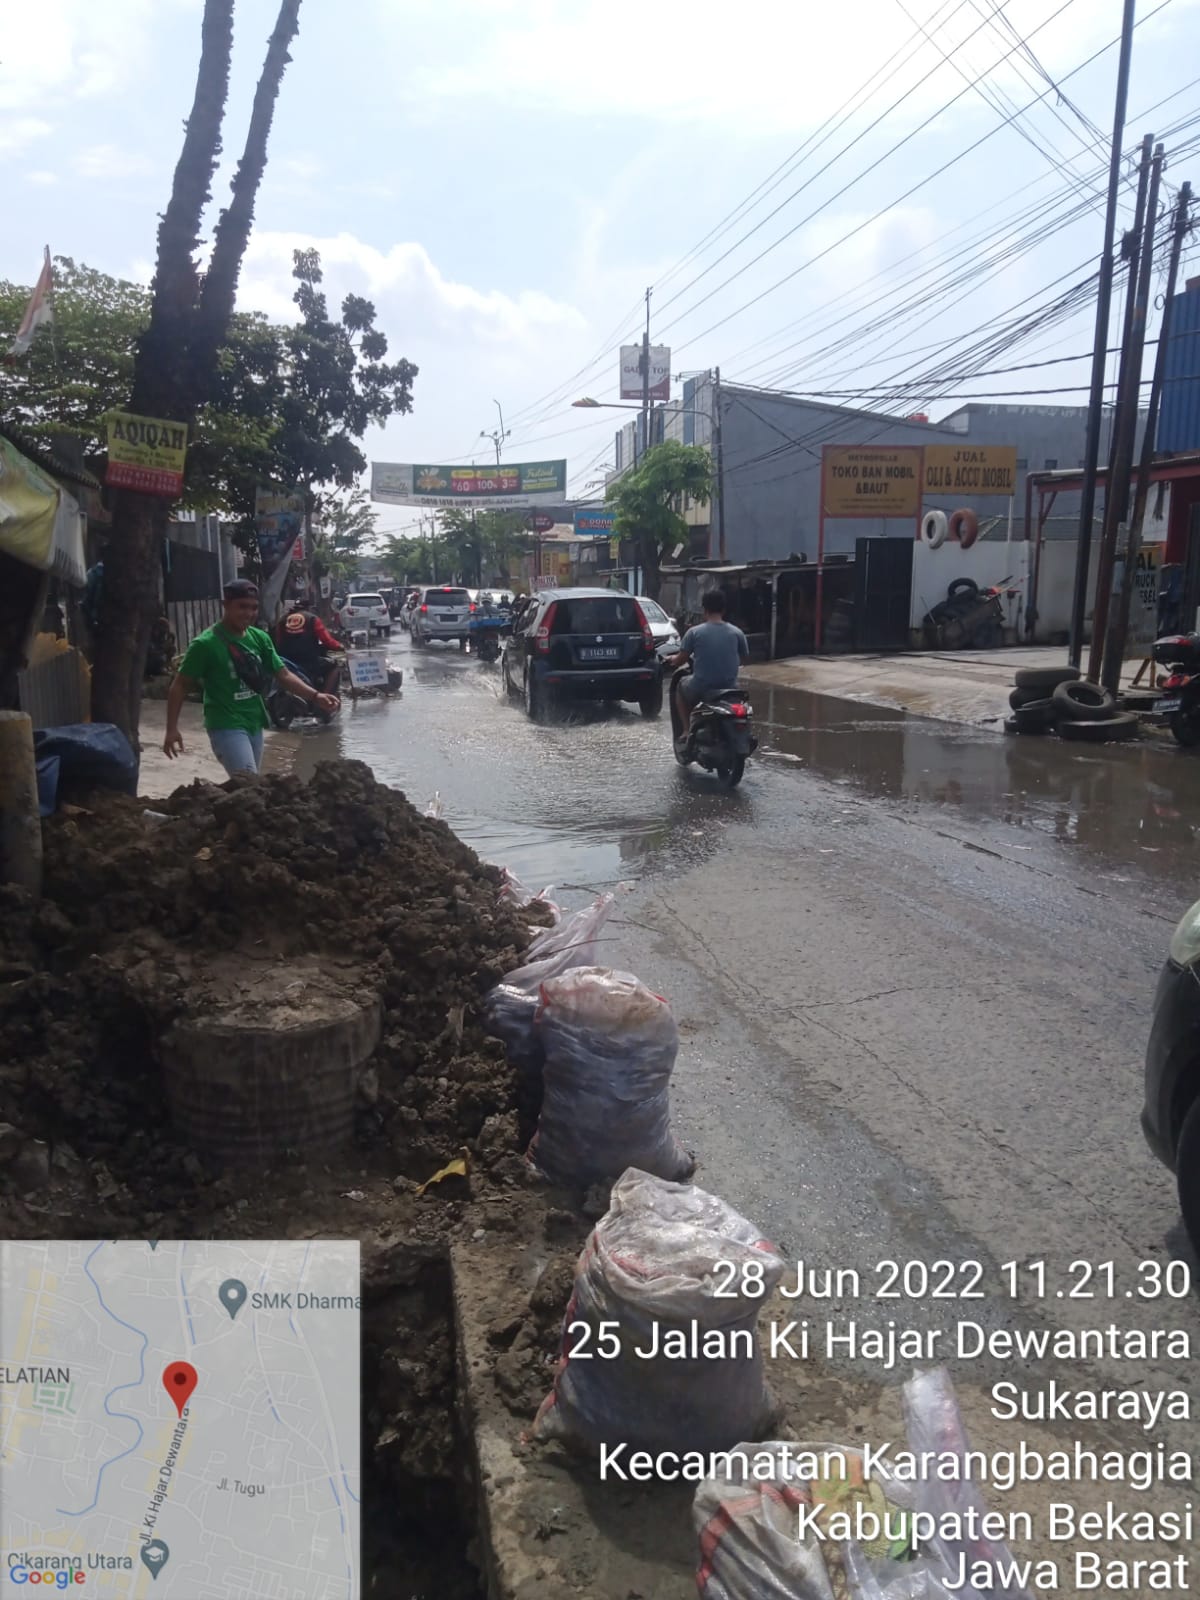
(715, 650)
(303, 638)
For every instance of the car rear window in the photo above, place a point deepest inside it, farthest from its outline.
(366, 600)
(596, 614)
(447, 597)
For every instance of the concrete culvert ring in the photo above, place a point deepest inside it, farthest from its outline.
(1044, 678)
(1109, 730)
(934, 528)
(1081, 701)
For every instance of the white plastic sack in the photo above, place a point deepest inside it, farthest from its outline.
(513, 892)
(746, 1523)
(610, 1049)
(649, 1272)
(510, 1008)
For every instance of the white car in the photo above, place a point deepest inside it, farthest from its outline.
(666, 635)
(367, 610)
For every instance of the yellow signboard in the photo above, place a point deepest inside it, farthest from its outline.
(966, 469)
(146, 453)
(871, 480)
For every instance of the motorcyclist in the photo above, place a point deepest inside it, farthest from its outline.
(715, 650)
(303, 638)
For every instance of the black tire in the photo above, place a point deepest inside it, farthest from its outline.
(538, 704)
(1111, 730)
(1187, 1173)
(1045, 678)
(283, 708)
(730, 776)
(1039, 716)
(650, 702)
(1011, 725)
(1185, 727)
(1080, 701)
(1025, 697)
(462, 644)
(962, 586)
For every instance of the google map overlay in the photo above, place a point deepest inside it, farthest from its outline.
(180, 1420)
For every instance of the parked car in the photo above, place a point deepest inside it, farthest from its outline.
(369, 611)
(666, 634)
(582, 644)
(442, 613)
(1171, 1114)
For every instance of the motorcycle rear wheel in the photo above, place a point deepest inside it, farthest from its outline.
(1185, 725)
(731, 775)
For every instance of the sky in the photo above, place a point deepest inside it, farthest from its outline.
(801, 186)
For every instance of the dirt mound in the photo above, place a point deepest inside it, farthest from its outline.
(149, 912)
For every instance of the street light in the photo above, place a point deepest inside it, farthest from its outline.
(498, 435)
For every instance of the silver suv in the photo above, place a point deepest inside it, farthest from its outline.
(442, 614)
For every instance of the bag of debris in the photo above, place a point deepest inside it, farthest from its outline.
(514, 893)
(510, 1008)
(660, 1343)
(748, 1518)
(610, 1049)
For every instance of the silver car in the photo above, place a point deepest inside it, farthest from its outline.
(666, 635)
(442, 614)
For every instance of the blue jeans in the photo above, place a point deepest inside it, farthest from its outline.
(237, 750)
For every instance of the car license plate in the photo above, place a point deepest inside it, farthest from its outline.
(1165, 707)
(608, 653)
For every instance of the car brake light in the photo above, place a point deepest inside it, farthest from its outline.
(541, 639)
(474, 608)
(647, 631)
(424, 609)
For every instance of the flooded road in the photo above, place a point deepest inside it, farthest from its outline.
(912, 963)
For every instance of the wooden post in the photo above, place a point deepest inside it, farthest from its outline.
(20, 822)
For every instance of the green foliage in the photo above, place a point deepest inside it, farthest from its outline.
(645, 500)
(345, 531)
(486, 543)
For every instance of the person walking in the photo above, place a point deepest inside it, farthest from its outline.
(235, 663)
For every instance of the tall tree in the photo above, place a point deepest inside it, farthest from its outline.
(178, 355)
(646, 502)
(483, 544)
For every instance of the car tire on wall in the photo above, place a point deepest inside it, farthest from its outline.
(934, 527)
(964, 526)
(1081, 701)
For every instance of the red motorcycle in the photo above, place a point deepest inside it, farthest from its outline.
(1179, 703)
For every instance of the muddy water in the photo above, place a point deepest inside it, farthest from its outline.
(598, 800)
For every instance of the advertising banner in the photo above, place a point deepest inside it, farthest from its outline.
(279, 524)
(594, 524)
(527, 483)
(964, 470)
(146, 453)
(871, 480)
(631, 372)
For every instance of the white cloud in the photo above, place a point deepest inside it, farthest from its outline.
(42, 179)
(99, 161)
(59, 50)
(18, 132)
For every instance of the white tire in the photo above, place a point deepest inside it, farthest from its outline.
(935, 525)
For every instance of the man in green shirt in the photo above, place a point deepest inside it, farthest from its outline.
(235, 665)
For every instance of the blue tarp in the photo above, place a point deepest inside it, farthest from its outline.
(89, 753)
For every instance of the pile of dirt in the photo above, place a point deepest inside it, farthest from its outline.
(148, 913)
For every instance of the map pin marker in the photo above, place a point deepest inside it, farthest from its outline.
(179, 1379)
(232, 1295)
(155, 1555)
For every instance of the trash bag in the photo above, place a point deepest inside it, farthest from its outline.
(746, 1521)
(610, 1049)
(514, 892)
(648, 1271)
(47, 784)
(90, 754)
(509, 1010)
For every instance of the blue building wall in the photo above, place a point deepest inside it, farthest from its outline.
(1179, 413)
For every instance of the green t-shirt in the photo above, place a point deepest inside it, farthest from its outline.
(228, 703)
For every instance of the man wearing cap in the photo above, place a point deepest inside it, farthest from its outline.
(235, 664)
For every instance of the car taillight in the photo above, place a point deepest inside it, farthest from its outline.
(474, 609)
(424, 609)
(647, 631)
(541, 639)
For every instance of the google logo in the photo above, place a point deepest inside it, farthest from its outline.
(54, 1580)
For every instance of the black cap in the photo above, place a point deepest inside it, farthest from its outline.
(240, 589)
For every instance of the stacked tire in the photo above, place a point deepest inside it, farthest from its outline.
(1059, 700)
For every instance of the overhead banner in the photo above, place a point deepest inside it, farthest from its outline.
(146, 453)
(871, 480)
(527, 483)
(954, 469)
(631, 372)
(40, 524)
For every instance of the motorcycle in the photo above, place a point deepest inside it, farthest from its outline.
(485, 631)
(1179, 704)
(283, 707)
(719, 736)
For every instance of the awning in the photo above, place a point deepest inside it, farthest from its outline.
(40, 523)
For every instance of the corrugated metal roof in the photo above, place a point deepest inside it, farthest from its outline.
(1179, 416)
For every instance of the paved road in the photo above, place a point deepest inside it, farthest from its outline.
(912, 963)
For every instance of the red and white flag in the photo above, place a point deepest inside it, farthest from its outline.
(40, 309)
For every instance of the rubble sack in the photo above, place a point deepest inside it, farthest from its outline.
(650, 1274)
(610, 1049)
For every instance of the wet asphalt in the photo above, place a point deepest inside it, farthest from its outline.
(912, 963)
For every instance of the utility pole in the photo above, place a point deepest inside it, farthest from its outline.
(497, 435)
(1091, 454)
(720, 453)
(1115, 657)
(1129, 388)
(645, 426)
